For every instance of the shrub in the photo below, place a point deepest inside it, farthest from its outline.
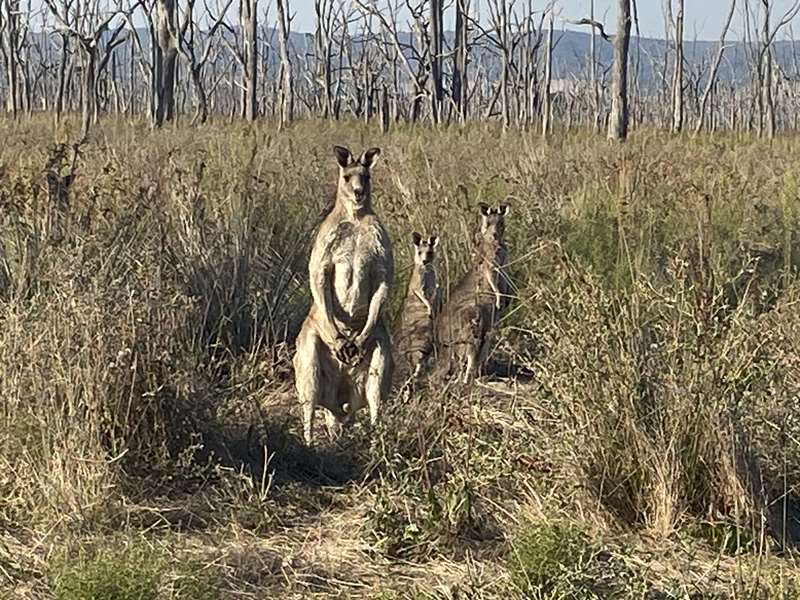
(549, 559)
(132, 574)
(136, 571)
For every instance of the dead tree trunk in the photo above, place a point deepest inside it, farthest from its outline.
(166, 55)
(593, 74)
(88, 88)
(62, 75)
(10, 16)
(248, 22)
(547, 108)
(287, 87)
(460, 87)
(677, 73)
(437, 35)
(618, 120)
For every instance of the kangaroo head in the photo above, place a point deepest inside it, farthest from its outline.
(354, 176)
(492, 222)
(423, 248)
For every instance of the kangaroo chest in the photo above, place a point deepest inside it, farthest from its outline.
(357, 254)
(428, 284)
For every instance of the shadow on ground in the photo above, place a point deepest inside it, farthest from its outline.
(506, 368)
(274, 446)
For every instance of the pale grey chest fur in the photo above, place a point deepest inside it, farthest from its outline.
(359, 257)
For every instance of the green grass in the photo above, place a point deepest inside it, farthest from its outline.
(109, 575)
(547, 561)
(137, 571)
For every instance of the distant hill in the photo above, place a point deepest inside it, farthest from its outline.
(571, 51)
(570, 55)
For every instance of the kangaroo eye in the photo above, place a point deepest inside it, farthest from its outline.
(347, 178)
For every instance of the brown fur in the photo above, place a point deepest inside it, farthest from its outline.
(464, 327)
(414, 330)
(343, 358)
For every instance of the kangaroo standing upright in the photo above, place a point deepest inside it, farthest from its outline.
(343, 358)
(413, 337)
(464, 327)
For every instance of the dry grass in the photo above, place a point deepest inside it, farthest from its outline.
(151, 284)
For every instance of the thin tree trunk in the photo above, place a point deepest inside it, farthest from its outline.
(62, 73)
(248, 21)
(547, 108)
(460, 60)
(287, 88)
(618, 120)
(593, 73)
(167, 55)
(437, 34)
(767, 101)
(88, 92)
(677, 74)
(10, 53)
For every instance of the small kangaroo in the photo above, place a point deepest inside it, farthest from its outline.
(463, 329)
(343, 357)
(414, 330)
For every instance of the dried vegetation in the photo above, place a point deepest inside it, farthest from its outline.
(640, 439)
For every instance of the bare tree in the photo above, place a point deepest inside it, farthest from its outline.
(765, 63)
(618, 120)
(411, 55)
(325, 11)
(165, 59)
(593, 73)
(389, 59)
(248, 23)
(287, 88)
(712, 76)
(197, 50)
(502, 38)
(460, 88)
(88, 22)
(676, 24)
(437, 44)
(13, 31)
(547, 109)
(596, 27)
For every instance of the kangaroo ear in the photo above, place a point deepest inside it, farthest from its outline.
(484, 208)
(369, 157)
(503, 209)
(434, 240)
(343, 156)
(416, 238)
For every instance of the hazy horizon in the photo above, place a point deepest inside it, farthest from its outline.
(703, 20)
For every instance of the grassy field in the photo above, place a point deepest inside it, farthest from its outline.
(641, 438)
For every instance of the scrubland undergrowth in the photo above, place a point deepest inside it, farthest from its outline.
(639, 436)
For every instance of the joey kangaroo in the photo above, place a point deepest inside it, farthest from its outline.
(464, 327)
(414, 330)
(343, 358)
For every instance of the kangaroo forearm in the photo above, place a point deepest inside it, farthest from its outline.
(375, 309)
(425, 302)
(492, 281)
(321, 293)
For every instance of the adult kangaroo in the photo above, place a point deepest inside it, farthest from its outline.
(343, 358)
(464, 327)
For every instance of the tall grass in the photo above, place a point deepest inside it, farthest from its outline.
(151, 285)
